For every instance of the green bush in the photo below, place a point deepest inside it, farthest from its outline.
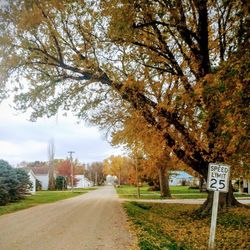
(14, 183)
(38, 185)
(61, 183)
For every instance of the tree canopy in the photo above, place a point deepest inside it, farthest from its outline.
(182, 65)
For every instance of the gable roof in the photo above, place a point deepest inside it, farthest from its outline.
(40, 170)
(29, 171)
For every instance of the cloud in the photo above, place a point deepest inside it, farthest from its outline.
(17, 152)
(22, 140)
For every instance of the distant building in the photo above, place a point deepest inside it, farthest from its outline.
(42, 174)
(246, 186)
(32, 179)
(82, 181)
(111, 180)
(242, 185)
(180, 178)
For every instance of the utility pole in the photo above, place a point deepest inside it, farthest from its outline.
(71, 166)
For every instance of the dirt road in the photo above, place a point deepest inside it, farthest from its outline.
(93, 221)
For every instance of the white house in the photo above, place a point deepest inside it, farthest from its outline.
(179, 178)
(42, 174)
(82, 182)
(32, 178)
(246, 186)
(242, 184)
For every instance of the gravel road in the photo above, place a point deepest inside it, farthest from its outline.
(93, 221)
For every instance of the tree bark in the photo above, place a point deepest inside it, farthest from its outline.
(201, 182)
(164, 182)
(51, 185)
(119, 183)
(226, 200)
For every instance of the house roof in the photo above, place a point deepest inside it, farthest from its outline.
(40, 170)
(181, 174)
(29, 170)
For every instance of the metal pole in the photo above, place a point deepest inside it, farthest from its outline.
(71, 166)
(211, 243)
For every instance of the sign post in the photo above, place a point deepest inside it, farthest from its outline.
(217, 181)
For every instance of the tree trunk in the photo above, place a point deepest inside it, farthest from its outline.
(119, 183)
(164, 182)
(225, 200)
(201, 182)
(51, 185)
(167, 185)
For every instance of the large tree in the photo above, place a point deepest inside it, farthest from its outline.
(148, 144)
(193, 54)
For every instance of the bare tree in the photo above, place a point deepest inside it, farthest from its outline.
(51, 154)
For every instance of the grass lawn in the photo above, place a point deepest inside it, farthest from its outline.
(175, 226)
(41, 197)
(178, 192)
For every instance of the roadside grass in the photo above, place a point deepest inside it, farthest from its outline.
(175, 226)
(183, 190)
(177, 192)
(41, 197)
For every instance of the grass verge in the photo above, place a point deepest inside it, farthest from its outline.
(177, 192)
(41, 197)
(172, 226)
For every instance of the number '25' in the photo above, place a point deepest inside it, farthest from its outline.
(214, 182)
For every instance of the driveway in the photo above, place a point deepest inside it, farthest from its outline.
(93, 221)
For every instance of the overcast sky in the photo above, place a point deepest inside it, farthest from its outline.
(22, 140)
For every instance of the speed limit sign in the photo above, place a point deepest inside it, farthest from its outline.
(218, 177)
(217, 181)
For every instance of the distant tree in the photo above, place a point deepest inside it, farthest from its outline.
(95, 173)
(64, 169)
(61, 183)
(38, 185)
(146, 141)
(51, 154)
(33, 164)
(120, 167)
(79, 168)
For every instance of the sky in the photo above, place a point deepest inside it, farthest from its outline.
(22, 140)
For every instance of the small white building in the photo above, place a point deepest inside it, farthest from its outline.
(42, 174)
(32, 179)
(82, 181)
(242, 184)
(246, 186)
(180, 178)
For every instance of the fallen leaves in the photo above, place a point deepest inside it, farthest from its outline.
(172, 226)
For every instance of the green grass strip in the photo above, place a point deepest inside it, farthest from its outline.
(41, 197)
